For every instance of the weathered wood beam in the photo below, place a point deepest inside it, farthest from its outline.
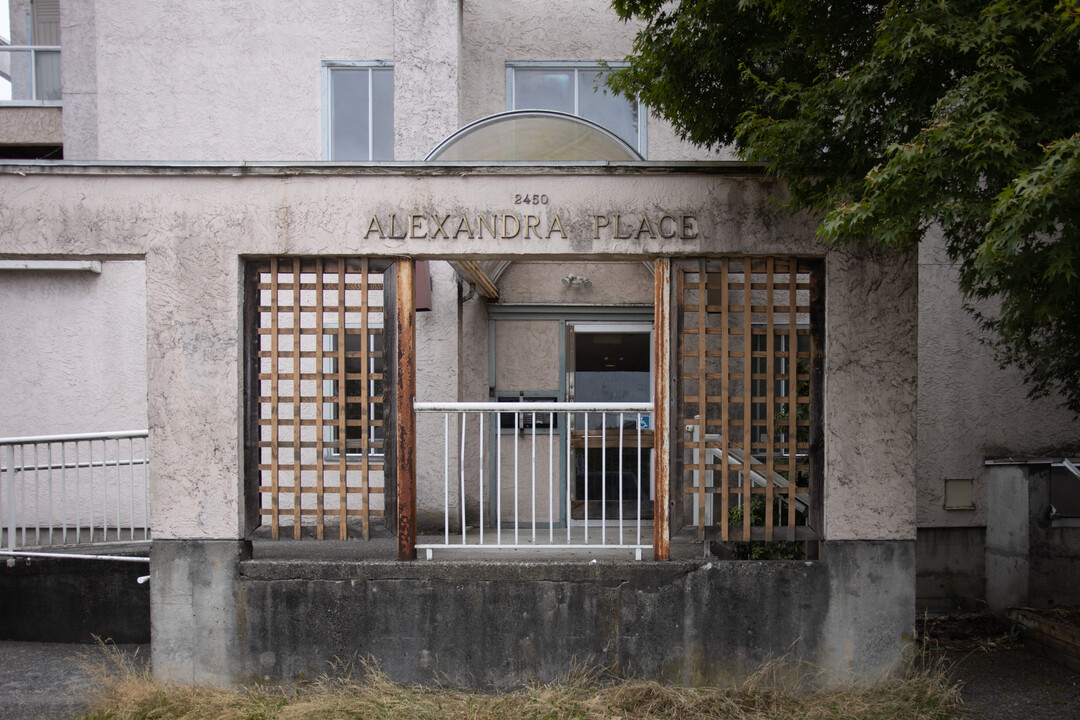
(662, 455)
(404, 396)
(470, 270)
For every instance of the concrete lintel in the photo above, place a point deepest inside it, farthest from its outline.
(391, 168)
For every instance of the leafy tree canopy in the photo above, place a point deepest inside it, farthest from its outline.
(888, 117)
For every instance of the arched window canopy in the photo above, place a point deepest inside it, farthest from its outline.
(533, 136)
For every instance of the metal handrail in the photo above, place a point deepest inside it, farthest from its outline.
(74, 437)
(40, 472)
(532, 407)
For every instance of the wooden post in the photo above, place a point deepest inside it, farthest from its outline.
(404, 395)
(252, 402)
(817, 397)
(662, 407)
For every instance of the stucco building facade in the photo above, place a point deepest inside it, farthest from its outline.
(226, 167)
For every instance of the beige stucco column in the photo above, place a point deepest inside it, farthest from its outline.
(426, 70)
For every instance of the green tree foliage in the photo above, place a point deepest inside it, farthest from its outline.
(888, 118)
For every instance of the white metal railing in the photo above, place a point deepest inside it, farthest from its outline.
(33, 72)
(524, 475)
(73, 489)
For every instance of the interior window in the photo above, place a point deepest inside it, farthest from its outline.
(575, 89)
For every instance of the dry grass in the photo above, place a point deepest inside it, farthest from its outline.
(128, 692)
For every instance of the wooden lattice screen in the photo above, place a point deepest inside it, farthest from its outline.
(320, 361)
(749, 358)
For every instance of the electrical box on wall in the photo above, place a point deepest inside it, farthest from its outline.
(959, 494)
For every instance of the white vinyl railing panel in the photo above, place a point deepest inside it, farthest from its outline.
(544, 475)
(74, 489)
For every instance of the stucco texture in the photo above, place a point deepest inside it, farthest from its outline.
(437, 378)
(240, 81)
(970, 409)
(426, 70)
(87, 334)
(244, 81)
(31, 126)
(495, 32)
(196, 226)
(79, 79)
(609, 283)
(870, 396)
(527, 355)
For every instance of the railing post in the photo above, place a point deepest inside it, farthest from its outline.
(662, 407)
(404, 396)
(33, 75)
(10, 460)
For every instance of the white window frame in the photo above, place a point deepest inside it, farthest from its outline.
(577, 66)
(328, 67)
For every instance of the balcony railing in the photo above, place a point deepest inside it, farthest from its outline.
(74, 489)
(544, 475)
(33, 72)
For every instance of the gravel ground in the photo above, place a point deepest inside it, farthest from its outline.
(48, 681)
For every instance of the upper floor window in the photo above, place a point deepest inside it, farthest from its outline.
(358, 111)
(577, 89)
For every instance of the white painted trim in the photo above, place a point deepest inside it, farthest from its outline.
(93, 266)
(328, 66)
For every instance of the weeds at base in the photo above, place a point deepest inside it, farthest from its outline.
(352, 690)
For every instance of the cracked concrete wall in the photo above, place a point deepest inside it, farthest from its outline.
(195, 229)
(500, 625)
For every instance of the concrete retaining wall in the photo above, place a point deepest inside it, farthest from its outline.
(501, 624)
(1029, 561)
(951, 569)
(53, 600)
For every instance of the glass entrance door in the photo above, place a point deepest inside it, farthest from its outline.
(606, 363)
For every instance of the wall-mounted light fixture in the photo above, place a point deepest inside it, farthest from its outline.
(577, 281)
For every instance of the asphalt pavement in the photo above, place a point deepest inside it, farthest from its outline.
(51, 681)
